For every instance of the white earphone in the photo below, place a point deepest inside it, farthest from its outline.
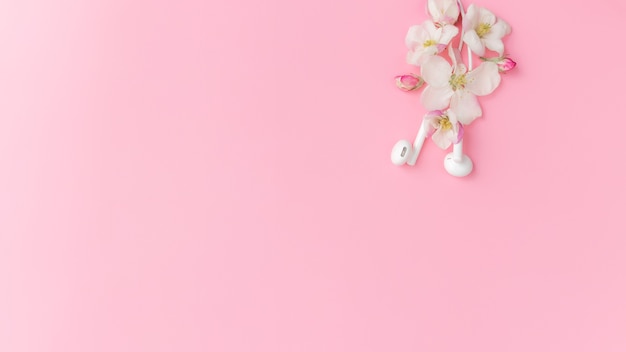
(456, 163)
(405, 153)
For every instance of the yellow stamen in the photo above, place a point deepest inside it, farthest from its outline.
(444, 123)
(457, 82)
(429, 42)
(483, 29)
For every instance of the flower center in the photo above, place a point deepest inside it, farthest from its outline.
(444, 123)
(483, 29)
(429, 42)
(457, 82)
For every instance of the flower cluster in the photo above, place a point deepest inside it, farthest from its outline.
(452, 88)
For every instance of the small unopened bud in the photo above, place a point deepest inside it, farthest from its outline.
(409, 82)
(506, 64)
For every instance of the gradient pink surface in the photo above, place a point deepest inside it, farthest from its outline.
(215, 176)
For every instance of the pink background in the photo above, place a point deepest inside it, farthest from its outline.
(215, 176)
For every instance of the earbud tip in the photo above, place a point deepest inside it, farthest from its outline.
(460, 168)
(400, 152)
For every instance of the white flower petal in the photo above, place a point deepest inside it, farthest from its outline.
(452, 117)
(436, 98)
(434, 114)
(451, 135)
(443, 11)
(498, 30)
(473, 41)
(413, 57)
(416, 36)
(470, 21)
(442, 139)
(426, 54)
(451, 11)
(431, 29)
(487, 16)
(466, 107)
(447, 33)
(434, 9)
(484, 79)
(495, 45)
(436, 71)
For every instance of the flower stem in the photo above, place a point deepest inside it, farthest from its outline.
(495, 59)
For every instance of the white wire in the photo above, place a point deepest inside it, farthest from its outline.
(457, 148)
(469, 59)
(462, 10)
(469, 52)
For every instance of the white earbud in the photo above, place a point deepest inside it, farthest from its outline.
(456, 163)
(405, 153)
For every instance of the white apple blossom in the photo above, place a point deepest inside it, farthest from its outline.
(451, 85)
(427, 39)
(482, 29)
(444, 128)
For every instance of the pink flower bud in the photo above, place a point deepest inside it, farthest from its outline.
(409, 82)
(506, 64)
